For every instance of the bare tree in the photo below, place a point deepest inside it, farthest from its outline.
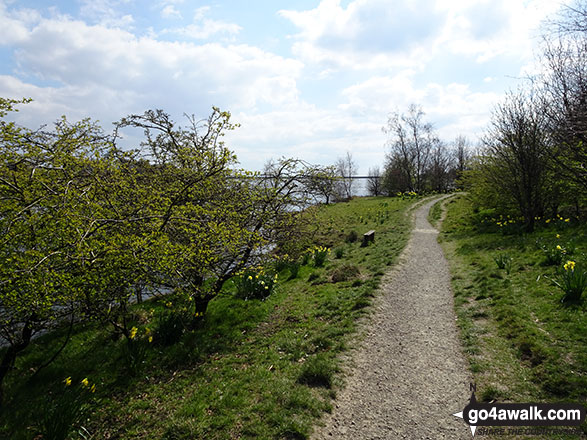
(563, 89)
(439, 169)
(411, 142)
(374, 182)
(346, 168)
(517, 147)
(461, 157)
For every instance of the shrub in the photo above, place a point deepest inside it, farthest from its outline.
(345, 272)
(352, 237)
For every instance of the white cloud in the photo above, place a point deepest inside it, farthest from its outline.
(105, 12)
(170, 11)
(454, 108)
(367, 34)
(106, 72)
(378, 56)
(379, 34)
(203, 28)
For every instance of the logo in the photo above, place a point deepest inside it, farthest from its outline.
(517, 415)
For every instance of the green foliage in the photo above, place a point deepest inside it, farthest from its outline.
(572, 280)
(521, 344)
(553, 254)
(352, 237)
(318, 255)
(294, 269)
(66, 410)
(85, 225)
(255, 283)
(235, 373)
(339, 253)
(504, 261)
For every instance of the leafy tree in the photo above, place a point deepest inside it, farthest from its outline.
(45, 176)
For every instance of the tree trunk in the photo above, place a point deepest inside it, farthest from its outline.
(11, 354)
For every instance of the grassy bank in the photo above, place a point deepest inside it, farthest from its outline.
(522, 342)
(253, 369)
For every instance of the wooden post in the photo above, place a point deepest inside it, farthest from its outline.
(368, 237)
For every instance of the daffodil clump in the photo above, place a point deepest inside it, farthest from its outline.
(84, 384)
(572, 280)
(407, 195)
(507, 223)
(147, 335)
(318, 255)
(553, 253)
(255, 283)
(65, 411)
(135, 350)
(283, 262)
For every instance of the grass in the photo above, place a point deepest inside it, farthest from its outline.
(253, 369)
(435, 213)
(522, 343)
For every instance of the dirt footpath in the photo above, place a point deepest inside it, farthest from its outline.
(409, 374)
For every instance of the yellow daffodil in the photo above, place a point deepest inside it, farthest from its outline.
(133, 332)
(67, 381)
(150, 339)
(85, 382)
(569, 265)
(558, 236)
(93, 388)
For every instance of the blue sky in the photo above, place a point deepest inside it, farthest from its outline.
(307, 79)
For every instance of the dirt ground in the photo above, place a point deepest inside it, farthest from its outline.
(408, 374)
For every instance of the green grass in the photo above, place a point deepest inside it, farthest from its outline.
(254, 369)
(522, 343)
(435, 213)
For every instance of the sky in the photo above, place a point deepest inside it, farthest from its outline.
(305, 79)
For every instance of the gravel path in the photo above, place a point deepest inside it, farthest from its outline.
(409, 374)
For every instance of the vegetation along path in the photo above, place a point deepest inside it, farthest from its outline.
(409, 374)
